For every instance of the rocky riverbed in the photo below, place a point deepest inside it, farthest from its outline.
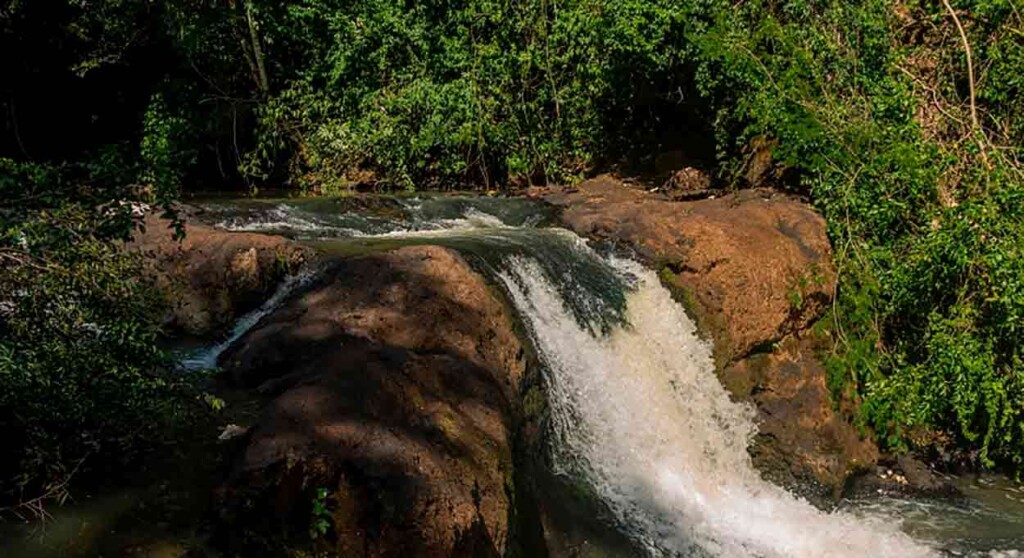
(401, 400)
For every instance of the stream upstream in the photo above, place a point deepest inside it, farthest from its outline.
(636, 412)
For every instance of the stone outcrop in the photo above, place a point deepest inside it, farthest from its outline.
(212, 276)
(800, 435)
(395, 383)
(754, 269)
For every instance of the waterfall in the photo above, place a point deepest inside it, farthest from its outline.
(639, 415)
(206, 357)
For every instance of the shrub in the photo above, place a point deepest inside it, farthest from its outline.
(81, 377)
(871, 104)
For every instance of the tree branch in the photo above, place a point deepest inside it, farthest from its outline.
(257, 50)
(982, 138)
(970, 63)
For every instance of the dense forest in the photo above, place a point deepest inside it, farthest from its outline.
(903, 122)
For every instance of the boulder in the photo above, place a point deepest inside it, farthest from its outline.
(212, 276)
(754, 270)
(396, 382)
(800, 436)
(756, 267)
(687, 182)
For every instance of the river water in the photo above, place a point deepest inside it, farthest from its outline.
(636, 413)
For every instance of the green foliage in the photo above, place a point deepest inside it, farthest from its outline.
(80, 373)
(79, 368)
(480, 93)
(867, 104)
(164, 159)
(924, 212)
(320, 516)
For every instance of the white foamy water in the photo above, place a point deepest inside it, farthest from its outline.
(285, 218)
(472, 220)
(641, 417)
(281, 218)
(206, 358)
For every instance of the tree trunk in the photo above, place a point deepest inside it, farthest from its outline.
(257, 51)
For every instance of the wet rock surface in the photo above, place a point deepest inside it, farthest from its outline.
(395, 383)
(800, 436)
(754, 269)
(212, 276)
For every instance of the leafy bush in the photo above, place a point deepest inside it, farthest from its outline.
(871, 104)
(480, 93)
(81, 377)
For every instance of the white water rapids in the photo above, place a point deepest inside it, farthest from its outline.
(642, 416)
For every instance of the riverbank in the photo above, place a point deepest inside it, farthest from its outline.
(386, 305)
(380, 347)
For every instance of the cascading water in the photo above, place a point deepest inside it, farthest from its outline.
(636, 411)
(206, 358)
(640, 414)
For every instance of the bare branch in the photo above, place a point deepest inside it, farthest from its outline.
(970, 63)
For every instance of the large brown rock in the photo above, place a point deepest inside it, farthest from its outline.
(754, 269)
(396, 380)
(800, 436)
(211, 276)
(757, 267)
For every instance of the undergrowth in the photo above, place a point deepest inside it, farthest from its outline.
(84, 389)
(873, 104)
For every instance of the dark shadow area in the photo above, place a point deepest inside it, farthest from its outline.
(378, 399)
(661, 125)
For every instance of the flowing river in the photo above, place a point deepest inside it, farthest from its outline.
(637, 414)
